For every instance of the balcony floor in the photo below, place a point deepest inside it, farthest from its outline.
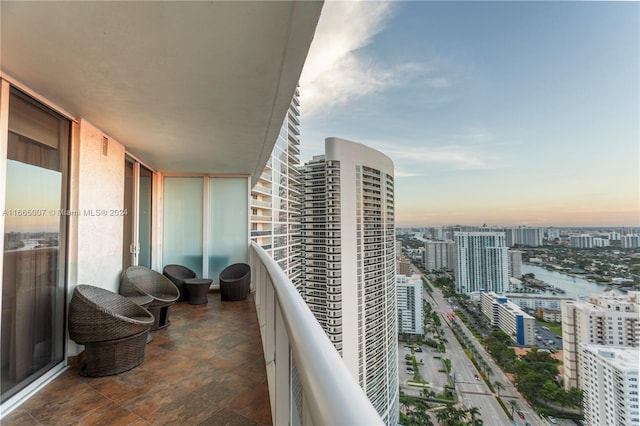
(207, 368)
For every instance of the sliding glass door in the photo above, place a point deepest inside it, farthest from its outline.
(136, 238)
(206, 223)
(33, 273)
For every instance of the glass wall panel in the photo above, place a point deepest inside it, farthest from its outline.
(228, 223)
(127, 229)
(144, 213)
(182, 224)
(33, 275)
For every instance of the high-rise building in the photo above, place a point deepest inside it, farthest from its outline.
(609, 380)
(515, 263)
(614, 236)
(630, 241)
(348, 250)
(403, 266)
(439, 255)
(275, 203)
(581, 241)
(606, 319)
(600, 242)
(482, 263)
(524, 236)
(410, 315)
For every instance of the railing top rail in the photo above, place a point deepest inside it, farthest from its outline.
(334, 396)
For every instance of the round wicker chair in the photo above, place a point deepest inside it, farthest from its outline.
(112, 329)
(235, 281)
(138, 280)
(177, 274)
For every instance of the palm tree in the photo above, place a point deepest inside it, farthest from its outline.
(514, 406)
(499, 386)
(474, 412)
(488, 370)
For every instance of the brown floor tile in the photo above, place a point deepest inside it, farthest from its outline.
(19, 417)
(228, 418)
(206, 368)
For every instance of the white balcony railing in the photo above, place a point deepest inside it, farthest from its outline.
(308, 382)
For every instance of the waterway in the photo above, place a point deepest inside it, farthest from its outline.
(574, 286)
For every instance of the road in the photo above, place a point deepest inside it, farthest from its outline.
(471, 392)
(476, 392)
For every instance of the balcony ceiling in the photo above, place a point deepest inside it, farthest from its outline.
(188, 87)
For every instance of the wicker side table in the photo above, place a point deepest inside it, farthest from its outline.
(197, 289)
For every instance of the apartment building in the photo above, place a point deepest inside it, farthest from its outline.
(515, 263)
(482, 263)
(507, 316)
(607, 319)
(533, 301)
(410, 311)
(439, 255)
(524, 236)
(630, 241)
(348, 248)
(275, 199)
(581, 241)
(609, 380)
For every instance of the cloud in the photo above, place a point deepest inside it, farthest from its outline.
(472, 148)
(334, 73)
(412, 161)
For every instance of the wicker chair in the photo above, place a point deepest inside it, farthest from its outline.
(235, 281)
(177, 274)
(112, 329)
(138, 280)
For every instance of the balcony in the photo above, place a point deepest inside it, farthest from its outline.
(223, 363)
(207, 367)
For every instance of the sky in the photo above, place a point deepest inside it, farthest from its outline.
(497, 113)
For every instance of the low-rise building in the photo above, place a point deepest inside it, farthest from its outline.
(549, 315)
(509, 317)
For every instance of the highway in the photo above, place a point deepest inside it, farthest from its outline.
(473, 392)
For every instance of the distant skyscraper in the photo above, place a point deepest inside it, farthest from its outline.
(515, 263)
(482, 263)
(275, 205)
(410, 315)
(631, 241)
(439, 255)
(609, 379)
(606, 319)
(524, 236)
(348, 242)
(581, 241)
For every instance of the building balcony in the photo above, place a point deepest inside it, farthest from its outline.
(265, 360)
(206, 367)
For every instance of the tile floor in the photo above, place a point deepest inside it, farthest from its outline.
(206, 368)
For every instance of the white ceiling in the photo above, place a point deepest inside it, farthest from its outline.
(188, 87)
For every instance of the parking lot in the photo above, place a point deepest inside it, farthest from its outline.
(428, 365)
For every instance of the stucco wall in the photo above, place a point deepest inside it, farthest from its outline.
(100, 198)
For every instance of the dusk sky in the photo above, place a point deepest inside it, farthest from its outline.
(499, 113)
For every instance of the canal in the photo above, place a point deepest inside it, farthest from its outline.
(574, 286)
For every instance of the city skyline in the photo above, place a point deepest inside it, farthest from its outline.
(497, 113)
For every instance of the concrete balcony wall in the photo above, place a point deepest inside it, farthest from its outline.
(309, 383)
(100, 200)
